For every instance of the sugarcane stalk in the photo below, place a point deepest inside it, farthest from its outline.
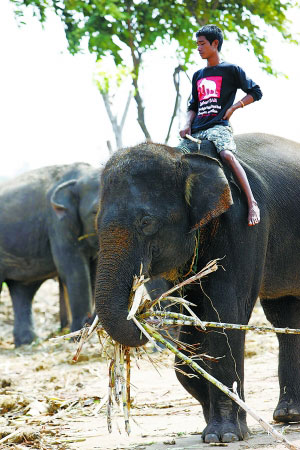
(194, 316)
(94, 325)
(65, 336)
(11, 435)
(124, 390)
(145, 333)
(127, 357)
(118, 377)
(110, 393)
(178, 300)
(172, 318)
(233, 395)
(83, 339)
(101, 404)
(139, 291)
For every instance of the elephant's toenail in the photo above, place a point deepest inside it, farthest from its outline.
(211, 438)
(229, 437)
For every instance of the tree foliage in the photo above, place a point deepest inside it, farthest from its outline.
(139, 23)
(110, 26)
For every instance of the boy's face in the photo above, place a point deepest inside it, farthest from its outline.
(205, 49)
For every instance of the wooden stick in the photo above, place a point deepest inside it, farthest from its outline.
(191, 138)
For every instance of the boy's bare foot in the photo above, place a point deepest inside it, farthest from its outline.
(253, 214)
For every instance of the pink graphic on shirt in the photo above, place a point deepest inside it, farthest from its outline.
(209, 87)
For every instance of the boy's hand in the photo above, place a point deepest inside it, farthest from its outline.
(185, 130)
(228, 113)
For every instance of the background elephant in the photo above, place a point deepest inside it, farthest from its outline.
(47, 228)
(154, 203)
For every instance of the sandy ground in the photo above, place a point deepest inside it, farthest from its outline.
(54, 402)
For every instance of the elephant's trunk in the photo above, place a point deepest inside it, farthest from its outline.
(117, 264)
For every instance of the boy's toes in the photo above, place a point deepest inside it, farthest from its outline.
(253, 215)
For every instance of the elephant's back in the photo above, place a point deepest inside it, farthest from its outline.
(44, 177)
(29, 190)
(274, 177)
(273, 168)
(268, 151)
(272, 164)
(24, 201)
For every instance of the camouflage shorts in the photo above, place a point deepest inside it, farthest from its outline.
(221, 136)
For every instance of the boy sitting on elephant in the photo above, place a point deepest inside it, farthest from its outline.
(211, 106)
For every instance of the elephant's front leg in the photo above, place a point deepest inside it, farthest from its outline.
(75, 275)
(22, 295)
(227, 421)
(196, 386)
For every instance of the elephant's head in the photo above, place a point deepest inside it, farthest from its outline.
(76, 202)
(153, 199)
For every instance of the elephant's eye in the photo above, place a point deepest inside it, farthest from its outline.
(148, 225)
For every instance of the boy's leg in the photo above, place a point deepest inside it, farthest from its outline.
(222, 137)
(253, 210)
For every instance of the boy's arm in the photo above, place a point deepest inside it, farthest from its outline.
(192, 109)
(186, 129)
(247, 85)
(240, 104)
(252, 90)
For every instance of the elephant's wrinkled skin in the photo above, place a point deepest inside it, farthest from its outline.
(154, 202)
(43, 215)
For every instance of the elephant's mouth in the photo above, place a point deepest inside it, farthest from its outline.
(173, 270)
(170, 275)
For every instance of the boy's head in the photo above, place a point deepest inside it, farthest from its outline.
(211, 33)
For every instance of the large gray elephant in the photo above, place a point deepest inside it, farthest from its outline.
(47, 229)
(155, 202)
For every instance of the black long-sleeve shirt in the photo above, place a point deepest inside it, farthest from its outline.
(213, 92)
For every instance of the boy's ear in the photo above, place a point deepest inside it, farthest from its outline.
(215, 43)
(207, 192)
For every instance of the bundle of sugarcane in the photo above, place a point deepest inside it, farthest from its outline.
(153, 322)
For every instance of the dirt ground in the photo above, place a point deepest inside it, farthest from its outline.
(51, 403)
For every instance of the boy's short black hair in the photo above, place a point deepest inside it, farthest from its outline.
(211, 33)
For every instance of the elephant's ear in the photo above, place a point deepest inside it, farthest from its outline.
(64, 199)
(207, 191)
